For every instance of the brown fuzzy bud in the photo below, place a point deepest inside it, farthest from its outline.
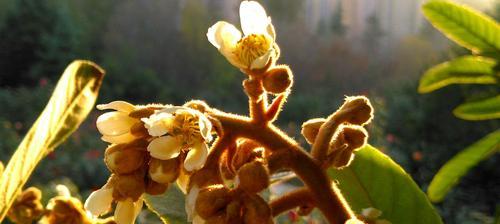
(253, 177)
(244, 153)
(257, 211)
(155, 188)
(355, 110)
(278, 79)
(197, 105)
(212, 200)
(27, 206)
(66, 210)
(253, 88)
(311, 128)
(234, 212)
(128, 186)
(142, 112)
(164, 171)
(121, 159)
(355, 136)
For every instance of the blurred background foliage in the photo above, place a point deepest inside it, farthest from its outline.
(156, 51)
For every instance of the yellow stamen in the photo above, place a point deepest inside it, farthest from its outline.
(252, 47)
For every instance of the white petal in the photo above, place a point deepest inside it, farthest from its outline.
(191, 202)
(183, 181)
(158, 124)
(223, 34)
(166, 147)
(196, 157)
(119, 139)
(253, 18)
(114, 123)
(205, 127)
(99, 201)
(125, 212)
(270, 31)
(121, 106)
(262, 61)
(62, 190)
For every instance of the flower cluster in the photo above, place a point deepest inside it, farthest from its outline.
(150, 147)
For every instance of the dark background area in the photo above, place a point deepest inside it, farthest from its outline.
(157, 51)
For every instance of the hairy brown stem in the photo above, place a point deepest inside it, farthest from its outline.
(291, 200)
(332, 206)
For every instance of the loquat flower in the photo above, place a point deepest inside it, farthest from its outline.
(27, 206)
(116, 126)
(177, 130)
(256, 48)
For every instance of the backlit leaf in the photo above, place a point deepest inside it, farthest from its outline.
(71, 101)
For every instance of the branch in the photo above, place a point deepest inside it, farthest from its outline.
(291, 200)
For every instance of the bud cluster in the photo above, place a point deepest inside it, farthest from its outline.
(160, 144)
(350, 134)
(27, 207)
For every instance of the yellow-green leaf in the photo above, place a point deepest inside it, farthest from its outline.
(479, 110)
(463, 70)
(374, 180)
(466, 26)
(71, 101)
(450, 174)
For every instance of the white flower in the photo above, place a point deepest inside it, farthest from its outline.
(115, 126)
(256, 47)
(127, 211)
(99, 202)
(179, 129)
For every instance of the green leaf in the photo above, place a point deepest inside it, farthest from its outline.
(71, 101)
(479, 110)
(466, 26)
(463, 70)
(169, 206)
(374, 180)
(450, 174)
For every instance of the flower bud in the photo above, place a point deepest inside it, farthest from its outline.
(311, 128)
(121, 159)
(278, 79)
(355, 136)
(198, 105)
(155, 188)
(65, 210)
(257, 211)
(233, 212)
(244, 153)
(253, 177)
(253, 88)
(27, 206)
(355, 110)
(128, 186)
(164, 171)
(211, 200)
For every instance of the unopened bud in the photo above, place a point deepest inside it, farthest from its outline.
(121, 159)
(155, 188)
(197, 105)
(278, 79)
(253, 88)
(355, 110)
(233, 212)
(253, 177)
(211, 200)
(244, 153)
(311, 128)
(257, 211)
(128, 186)
(355, 136)
(164, 171)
